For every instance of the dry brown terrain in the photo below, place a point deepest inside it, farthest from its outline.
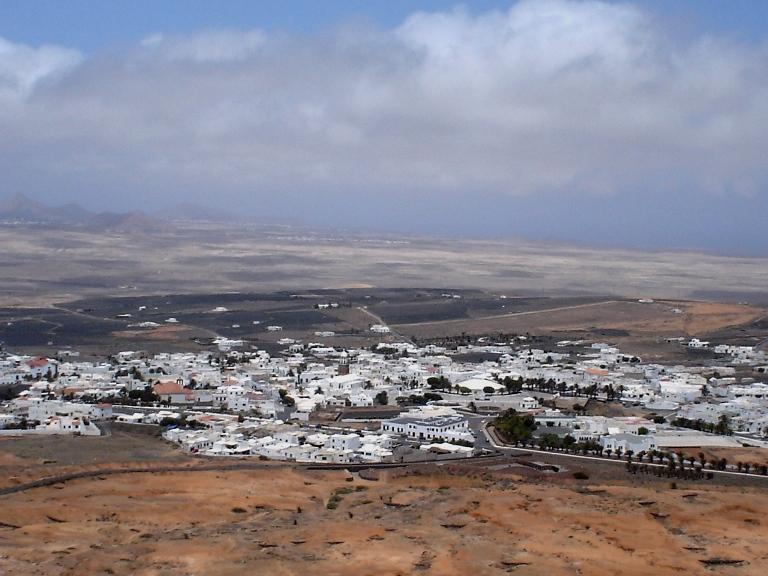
(278, 522)
(161, 333)
(732, 455)
(696, 318)
(656, 319)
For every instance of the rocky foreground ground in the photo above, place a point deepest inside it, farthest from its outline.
(439, 521)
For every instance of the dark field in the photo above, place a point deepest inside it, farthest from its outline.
(428, 308)
(30, 458)
(78, 451)
(91, 324)
(31, 327)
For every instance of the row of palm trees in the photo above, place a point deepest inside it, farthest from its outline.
(702, 462)
(674, 461)
(515, 385)
(677, 460)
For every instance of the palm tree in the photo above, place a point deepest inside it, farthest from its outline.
(671, 463)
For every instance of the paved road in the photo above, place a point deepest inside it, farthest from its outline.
(477, 425)
(510, 314)
(493, 441)
(762, 344)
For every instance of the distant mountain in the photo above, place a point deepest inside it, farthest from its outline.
(73, 213)
(130, 222)
(22, 209)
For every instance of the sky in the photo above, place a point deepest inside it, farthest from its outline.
(638, 124)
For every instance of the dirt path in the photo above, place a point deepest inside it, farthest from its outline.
(379, 320)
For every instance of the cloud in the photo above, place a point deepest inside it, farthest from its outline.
(210, 46)
(23, 67)
(550, 97)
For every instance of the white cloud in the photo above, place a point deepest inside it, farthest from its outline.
(550, 96)
(209, 46)
(22, 67)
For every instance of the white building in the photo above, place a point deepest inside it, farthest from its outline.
(343, 442)
(626, 442)
(430, 428)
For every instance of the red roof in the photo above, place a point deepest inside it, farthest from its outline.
(597, 371)
(38, 362)
(165, 388)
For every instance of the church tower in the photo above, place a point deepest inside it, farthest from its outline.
(344, 364)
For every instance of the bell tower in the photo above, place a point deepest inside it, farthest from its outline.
(344, 364)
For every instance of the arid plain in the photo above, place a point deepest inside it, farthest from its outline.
(40, 264)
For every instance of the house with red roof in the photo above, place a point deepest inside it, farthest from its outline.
(174, 393)
(39, 366)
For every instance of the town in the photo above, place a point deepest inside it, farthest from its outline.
(397, 402)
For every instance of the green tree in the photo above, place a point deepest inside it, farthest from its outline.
(285, 398)
(723, 425)
(515, 427)
(513, 386)
(439, 382)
